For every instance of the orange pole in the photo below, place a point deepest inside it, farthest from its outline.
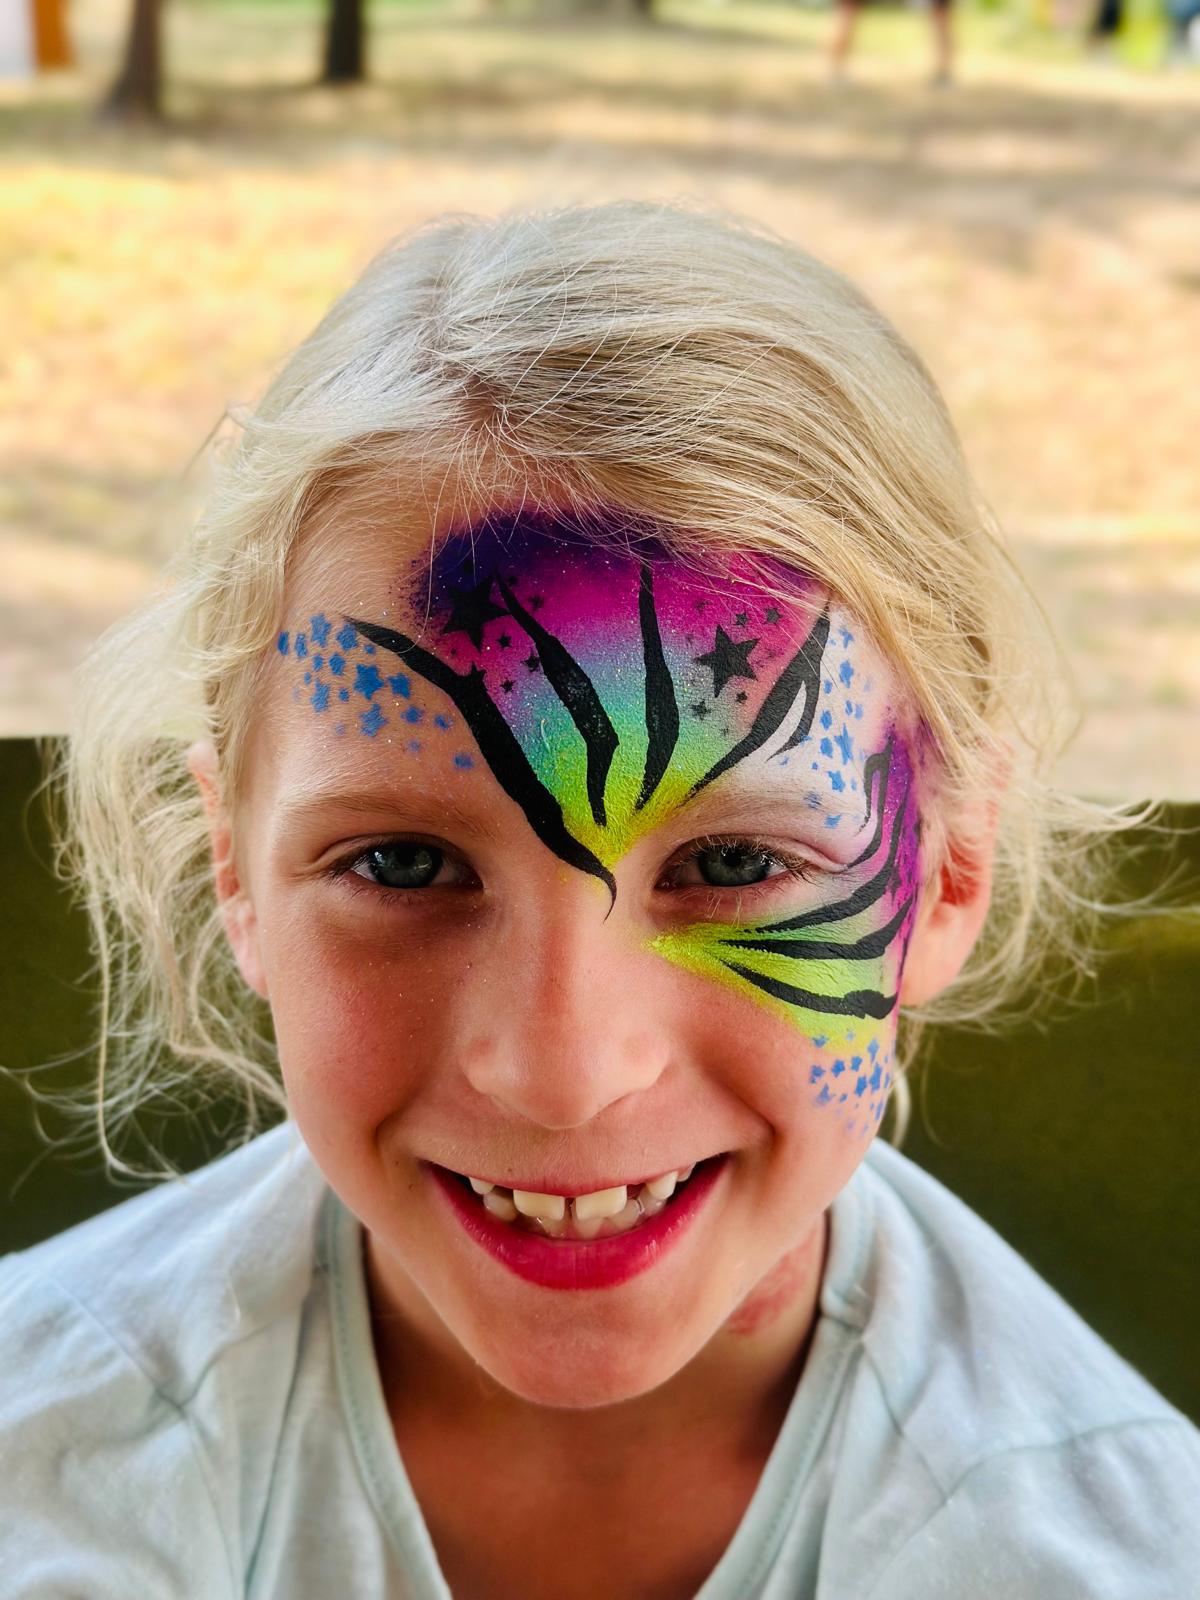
(52, 48)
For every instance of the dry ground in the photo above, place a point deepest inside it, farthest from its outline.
(1035, 231)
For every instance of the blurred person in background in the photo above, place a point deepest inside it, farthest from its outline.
(1106, 25)
(1183, 43)
(943, 41)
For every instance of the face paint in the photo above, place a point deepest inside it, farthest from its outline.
(600, 721)
(607, 689)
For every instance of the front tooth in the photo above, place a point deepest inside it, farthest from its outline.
(602, 1203)
(530, 1204)
(481, 1185)
(662, 1188)
(686, 1173)
(500, 1206)
(590, 1228)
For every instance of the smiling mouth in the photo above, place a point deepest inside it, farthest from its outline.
(600, 1215)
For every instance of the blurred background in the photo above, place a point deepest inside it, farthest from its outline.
(188, 183)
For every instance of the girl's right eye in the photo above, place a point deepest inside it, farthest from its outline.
(400, 864)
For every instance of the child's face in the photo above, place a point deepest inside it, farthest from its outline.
(569, 870)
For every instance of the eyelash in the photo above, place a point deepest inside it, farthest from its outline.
(794, 867)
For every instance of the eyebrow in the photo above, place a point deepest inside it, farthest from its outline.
(751, 800)
(364, 802)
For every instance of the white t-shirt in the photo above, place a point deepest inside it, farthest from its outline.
(190, 1407)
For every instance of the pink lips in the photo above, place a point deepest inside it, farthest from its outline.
(575, 1263)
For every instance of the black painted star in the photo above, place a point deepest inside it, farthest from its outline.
(700, 710)
(727, 660)
(536, 603)
(504, 640)
(740, 696)
(531, 661)
(508, 686)
(772, 614)
(470, 609)
(740, 620)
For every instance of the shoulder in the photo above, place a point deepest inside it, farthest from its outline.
(1042, 1456)
(182, 1272)
(144, 1356)
(1108, 1514)
(958, 1315)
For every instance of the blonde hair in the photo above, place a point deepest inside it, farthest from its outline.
(695, 371)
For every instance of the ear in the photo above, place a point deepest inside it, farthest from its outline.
(237, 910)
(955, 902)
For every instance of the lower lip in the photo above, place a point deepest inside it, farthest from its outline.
(580, 1263)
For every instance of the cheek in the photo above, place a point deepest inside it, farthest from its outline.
(357, 1018)
(850, 1082)
(823, 1103)
(837, 1068)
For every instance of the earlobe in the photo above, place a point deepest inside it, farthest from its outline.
(237, 909)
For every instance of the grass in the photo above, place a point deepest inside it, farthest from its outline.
(1032, 230)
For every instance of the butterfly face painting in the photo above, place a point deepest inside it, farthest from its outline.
(607, 689)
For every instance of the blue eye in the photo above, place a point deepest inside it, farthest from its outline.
(731, 866)
(401, 865)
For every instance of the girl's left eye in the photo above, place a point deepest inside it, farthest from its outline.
(734, 864)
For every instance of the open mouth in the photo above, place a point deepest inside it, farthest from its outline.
(603, 1214)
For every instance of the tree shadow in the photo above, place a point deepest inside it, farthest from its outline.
(990, 161)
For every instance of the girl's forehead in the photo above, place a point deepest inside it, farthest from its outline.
(597, 667)
(579, 568)
(512, 578)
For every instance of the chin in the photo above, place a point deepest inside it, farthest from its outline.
(584, 1378)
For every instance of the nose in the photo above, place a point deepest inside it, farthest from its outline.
(578, 1029)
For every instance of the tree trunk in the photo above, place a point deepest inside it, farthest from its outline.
(344, 42)
(137, 93)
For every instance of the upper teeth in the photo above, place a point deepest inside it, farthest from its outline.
(603, 1203)
(551, 1206)
(585, 1207)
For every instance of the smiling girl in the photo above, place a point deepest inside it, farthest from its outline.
(595, 726)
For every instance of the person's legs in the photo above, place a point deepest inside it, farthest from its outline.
(1184, 18)
(943, 42)
(843, 36)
